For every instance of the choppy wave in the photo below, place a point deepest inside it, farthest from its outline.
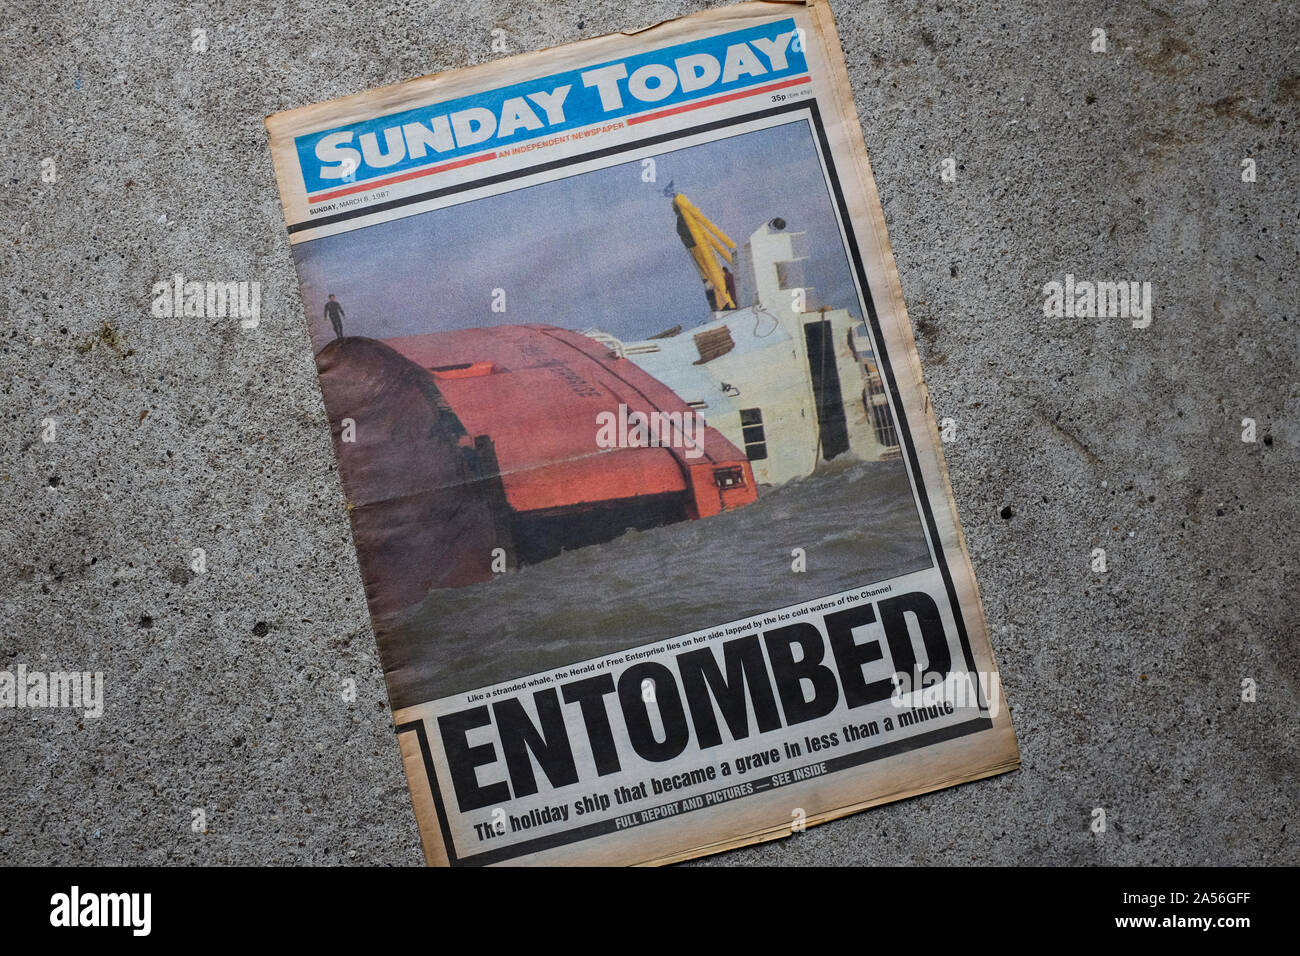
(856, 522)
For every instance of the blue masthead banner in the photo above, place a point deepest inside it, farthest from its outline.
(433, 135)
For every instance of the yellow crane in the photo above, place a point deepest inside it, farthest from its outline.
(709, 246)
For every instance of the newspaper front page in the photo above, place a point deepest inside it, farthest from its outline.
(650, 509)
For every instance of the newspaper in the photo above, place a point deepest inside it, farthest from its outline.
(650, 509)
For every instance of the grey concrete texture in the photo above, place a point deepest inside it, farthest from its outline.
(224, 690)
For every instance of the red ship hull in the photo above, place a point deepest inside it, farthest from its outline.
(483, 439)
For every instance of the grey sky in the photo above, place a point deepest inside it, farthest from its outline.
(594, 249)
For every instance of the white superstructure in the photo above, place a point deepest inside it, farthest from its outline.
(789, 386)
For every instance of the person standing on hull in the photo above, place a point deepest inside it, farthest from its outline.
(334, 312)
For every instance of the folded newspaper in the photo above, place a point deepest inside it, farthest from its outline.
(650, 509)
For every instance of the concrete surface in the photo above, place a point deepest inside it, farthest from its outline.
(223, 689)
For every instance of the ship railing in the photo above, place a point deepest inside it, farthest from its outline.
(614, 344)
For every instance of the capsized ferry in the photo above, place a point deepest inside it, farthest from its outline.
(499, 460)
(477, 450)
